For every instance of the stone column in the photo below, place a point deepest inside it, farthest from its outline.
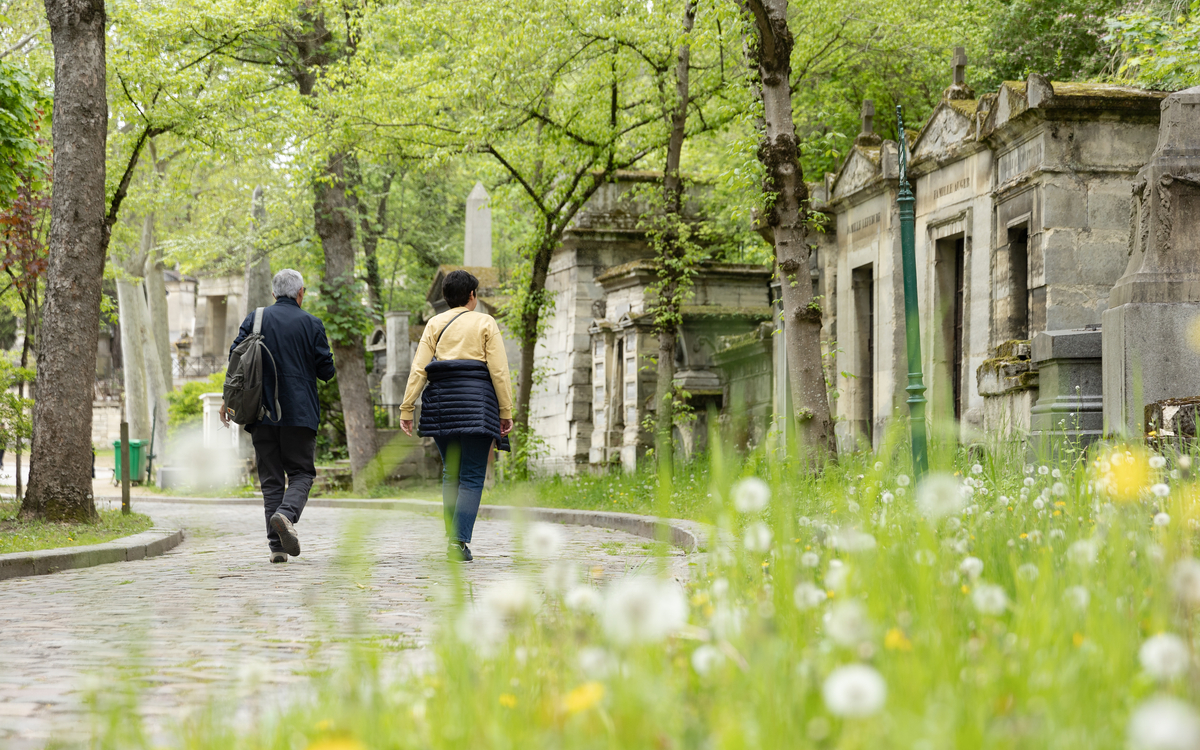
(477, 240)
(399, 361)
(1147, 357)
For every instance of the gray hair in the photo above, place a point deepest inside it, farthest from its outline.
(287, 283)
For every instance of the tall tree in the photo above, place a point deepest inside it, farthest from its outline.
(785, 213)
(676, 265)
(60, 479)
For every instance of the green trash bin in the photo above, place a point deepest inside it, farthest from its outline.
(137, 460)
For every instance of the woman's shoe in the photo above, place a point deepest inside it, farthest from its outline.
(459, 552)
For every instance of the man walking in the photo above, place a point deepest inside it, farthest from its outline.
(285, 443)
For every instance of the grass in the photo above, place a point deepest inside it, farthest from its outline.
(26, 536)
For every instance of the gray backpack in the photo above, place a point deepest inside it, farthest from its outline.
(243, 379)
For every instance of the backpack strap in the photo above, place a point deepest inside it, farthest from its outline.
(439, 336)
(258, 318)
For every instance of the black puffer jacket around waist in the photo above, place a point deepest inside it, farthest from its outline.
(458, 400)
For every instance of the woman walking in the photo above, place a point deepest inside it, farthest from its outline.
(466, 405)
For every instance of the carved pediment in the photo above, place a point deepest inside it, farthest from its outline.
(946, 128)
(859, 169)
(1010, 102)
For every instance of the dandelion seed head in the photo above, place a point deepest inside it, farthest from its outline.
(807, 596)
(940, 495)
(1157, 462)
(989, 599)
(1078, 597)
(757, 537)
(1165, 656)
(972, 567)
(854, 691)
(1160, 490)
(543, 540)
(643, 609)
(706, 658)
(751, 495)
(1162, 519)
(1163, 723)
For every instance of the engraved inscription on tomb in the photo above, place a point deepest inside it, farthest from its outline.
(952, 187)
(1020, 160)
(864, 223)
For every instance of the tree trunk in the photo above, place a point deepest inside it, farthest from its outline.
(60, 481)
(335, 226)
(156, 297)
(672, 276)
(156, 388)
(530, 320)
(257, 289)
(786, 214)
(130, 309)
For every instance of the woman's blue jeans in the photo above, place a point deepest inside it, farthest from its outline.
(464, 467)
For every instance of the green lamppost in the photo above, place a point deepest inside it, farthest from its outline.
(912, 317)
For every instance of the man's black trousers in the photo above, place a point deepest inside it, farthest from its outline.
(285, 470)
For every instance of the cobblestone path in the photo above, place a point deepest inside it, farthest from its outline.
(213, 618)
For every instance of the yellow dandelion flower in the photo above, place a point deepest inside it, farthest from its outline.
(508, 700)
(324, 725)
(586, 696)
(1128, 473)
(966, 589)
(1077, 639)
(895, 640)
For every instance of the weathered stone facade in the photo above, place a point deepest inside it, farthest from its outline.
(1022, 206)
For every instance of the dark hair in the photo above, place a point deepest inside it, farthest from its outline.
(457, 288)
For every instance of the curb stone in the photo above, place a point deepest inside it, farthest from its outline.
(690, 536)
(40, 562)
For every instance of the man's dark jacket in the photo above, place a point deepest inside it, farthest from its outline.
(298, 343)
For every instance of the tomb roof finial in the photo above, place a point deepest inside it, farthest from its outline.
(868, 137)
(958, 87)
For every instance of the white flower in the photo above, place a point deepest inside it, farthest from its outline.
(1038, 504)
(1056, 474)
(808, 596)
(852, 540)
(976, 469)
(1161, 519)
(886, 497)
(846, 623)
(1163, 723)
(1078, 597)
(854, 691)
(1059, 489)
(1185, 462)
(1057, 534)
(940, 495)
(543, 540)
(720, 587)
(706, 658)
(972, 567)
(903, 480)
(510, 600)
(1029, 482)
(1043, 470)
(595, 662)
(1185, 582)
(925, 557)
(1028, 468)
(836, 575)
(1164, 656)
(758, 537)
(989, 599)
(1028, 572)
(751, 495)
(1157, 462)
(1084, 552)
(643, 609)
(878, 466)
(852, 506)
(481, 630)
(583, 599)
(810, 559)
(560, 576)
(1160, 490)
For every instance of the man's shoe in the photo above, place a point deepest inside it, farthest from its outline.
(287, 534)
(459, 552)
(278, 557)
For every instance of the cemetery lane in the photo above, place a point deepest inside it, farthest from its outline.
(214, 619)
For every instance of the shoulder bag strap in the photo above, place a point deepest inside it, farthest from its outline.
(258, 318)
(258, 315)
(439, 336)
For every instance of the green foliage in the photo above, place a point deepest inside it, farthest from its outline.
(338, 305)
(1157, 45)
(1060, 39)
(20, 121)
(184, 407)
(16, 424)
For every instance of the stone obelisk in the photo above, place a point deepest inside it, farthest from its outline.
(1152, 308)
(477, 241)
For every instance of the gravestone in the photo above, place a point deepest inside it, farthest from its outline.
(1069, 410)
(399, 361)
(1156, 303)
